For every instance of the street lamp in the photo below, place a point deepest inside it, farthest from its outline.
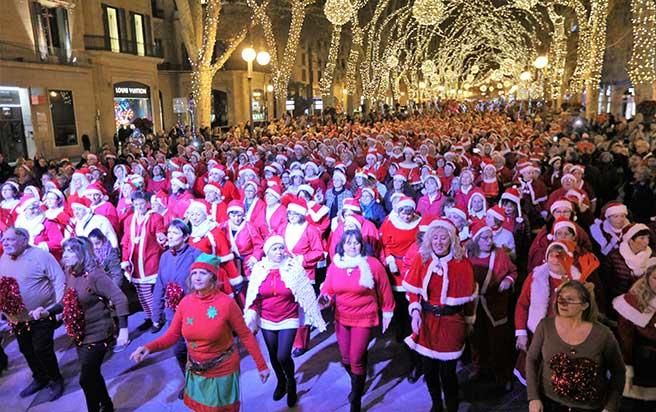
(541, 62)
(525, 76)
(249, 55)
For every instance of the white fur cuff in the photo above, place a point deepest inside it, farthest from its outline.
(521, 332)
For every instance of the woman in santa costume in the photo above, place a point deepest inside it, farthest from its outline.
(215, 203)
(44, 233)
(180, 197)
(85, 221)
(636, 329)
(275, 214)
(494, 218)
(144, 237)
(254, 207)
(534, 193)
(8, 205)
(432, 201)
(491, 340)
(207, 236)
(369, 231)
(245, 240)
(100, 204)
(78, 185)
(630, 261)
(279, 300)
(358, 286)
(536, 300)
(318, 214)
(441, 290)
(54, 202)
(489, 183)
(208, 319)
(302, 239)
(607, 233)
(458, 217)
(465, 188)
(477, 206)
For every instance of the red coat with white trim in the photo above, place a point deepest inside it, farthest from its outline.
(246, 242)
(489, 272)
(273, 221)
(359, 296)
(178, 204)
(109, 211)
(140, 246)
(214, 242)
(443, 282)
(255, 214)
(304, 240)
(319, 216)
(369, 235)
(218, 211)
(8, 214)
(396, 238)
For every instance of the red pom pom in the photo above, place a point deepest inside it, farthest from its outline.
(173, 295)
(73, 316)
(11, 301)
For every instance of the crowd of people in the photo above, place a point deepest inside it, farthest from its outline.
(519, 245)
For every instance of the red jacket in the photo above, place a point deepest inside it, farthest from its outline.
(308, 244)
(396, 238)
(140, 246)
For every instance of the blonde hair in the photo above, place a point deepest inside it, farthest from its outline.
(642, 291)
(426, 247)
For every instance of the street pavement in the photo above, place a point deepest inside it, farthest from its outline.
(322, 383)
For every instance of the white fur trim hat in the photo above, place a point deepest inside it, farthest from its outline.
(271, 241)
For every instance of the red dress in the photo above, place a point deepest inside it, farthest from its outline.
(245, 242)
(140, 246)
(447, 282)
(396, 238)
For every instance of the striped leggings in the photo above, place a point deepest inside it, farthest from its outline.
(145, 296)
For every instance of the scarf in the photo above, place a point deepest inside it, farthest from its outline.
(349, 263)
(33, 226)
(198, 232)
(638, 263)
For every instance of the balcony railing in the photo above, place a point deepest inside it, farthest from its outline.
(122, 46)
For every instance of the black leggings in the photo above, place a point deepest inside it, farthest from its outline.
(91, 379)
(441, 376)
(279, 345)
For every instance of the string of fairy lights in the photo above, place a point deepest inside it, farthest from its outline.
(642, 66)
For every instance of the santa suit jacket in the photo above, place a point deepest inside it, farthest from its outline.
(428, 207)
(489, 272)
(308, 244)
(274, 220)
(109, 211)
(217, 210)
(369, 235)
(8, 214)
(255, 213)
(214, 242)
(396, 238)
(93, 221)
(637, 336)
(246, 243)
(441, 282)
(541, 242)
(140, 246)
(178, 204)
(462, 197)
(318, 216)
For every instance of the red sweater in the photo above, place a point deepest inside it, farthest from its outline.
(207, 324)
(276, 304)
(356, 305)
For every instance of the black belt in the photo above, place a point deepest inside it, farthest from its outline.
(440, 310)
(200, 367)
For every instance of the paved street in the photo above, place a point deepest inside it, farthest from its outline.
(323, 385)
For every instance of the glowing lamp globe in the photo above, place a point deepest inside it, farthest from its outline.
(338, 12)
(428, 67)
(475, 69)
(428, 12)
(483, 88)
(541, 62)
(248, 54)
(392, 62)
(525, 76)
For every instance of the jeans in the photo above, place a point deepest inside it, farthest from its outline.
(91, 379)
(37, 345)
(279, 345)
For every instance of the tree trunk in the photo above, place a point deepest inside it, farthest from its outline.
(590, 100)
(202, 79)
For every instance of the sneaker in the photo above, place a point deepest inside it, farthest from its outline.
(32, 388)
(146, 325)
(55, 389)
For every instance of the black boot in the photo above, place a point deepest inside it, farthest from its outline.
(347, 368)
(281, 389)
(4, 360)
(292, 397)
(357, 390)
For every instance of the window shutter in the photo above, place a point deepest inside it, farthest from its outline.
(121, 29)
(106, 27)
(148, 36)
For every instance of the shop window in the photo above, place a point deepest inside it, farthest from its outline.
(62, 110)
(51, 28)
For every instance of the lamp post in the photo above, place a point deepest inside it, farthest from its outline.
(540, 63)
(249, 55)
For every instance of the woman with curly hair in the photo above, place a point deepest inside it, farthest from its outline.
(637, 336)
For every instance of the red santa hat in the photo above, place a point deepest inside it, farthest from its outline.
(497, 212)
(445, 224)
(296, 173)
(337, 173)
(512, 195)
(567, 246)
(455, 211)
(559, 224)
(352, 204)
(297, 205)
(306, 188)
(251, 183)
(12, 184)
(195, 205)
(561, 203)
(274, 190)
(272, 241)
(95, 188)
(212, 187)
(179, 181)
(355, 220)
(82, 171)
(247, 170)
(425, 222)
(579, 197)
(160, 197)
(236, 206)
(432, 175)
(405, 201)
(26, 201)
(631, 230)
(56, 192)
(400, 175)
(81, 202)
(478, 228)
(614, 208)
(372, 191)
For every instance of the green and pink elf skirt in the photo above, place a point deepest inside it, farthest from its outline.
(220, 394)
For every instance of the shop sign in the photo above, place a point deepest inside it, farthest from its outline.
(131, 90)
